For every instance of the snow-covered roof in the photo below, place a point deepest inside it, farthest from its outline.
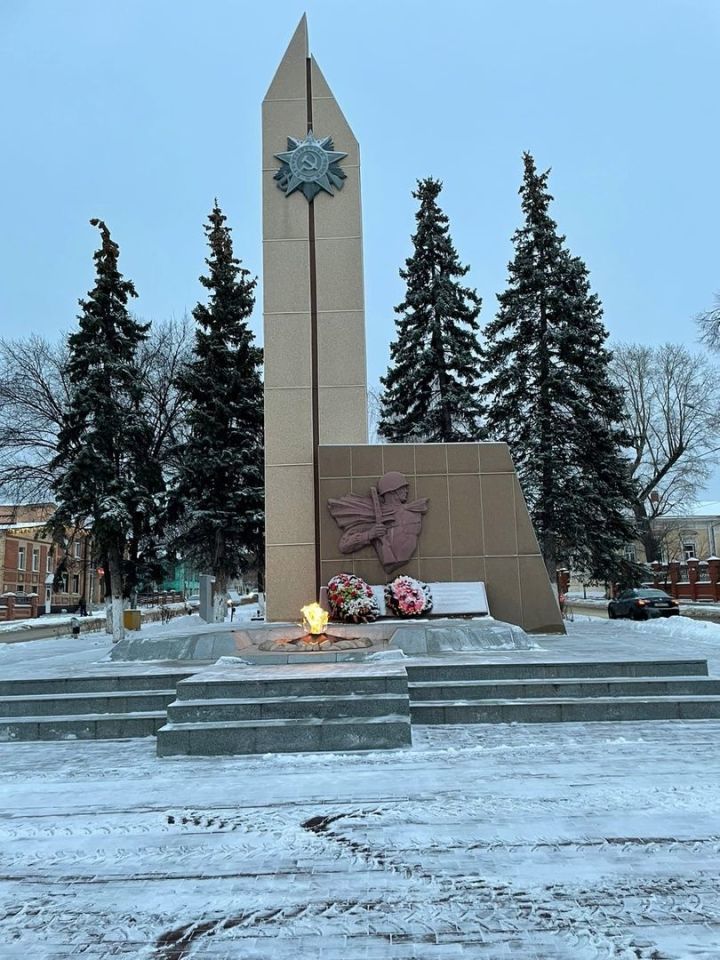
(702, 508)
(22, 524)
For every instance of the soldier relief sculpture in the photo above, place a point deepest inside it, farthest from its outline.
(384, 519)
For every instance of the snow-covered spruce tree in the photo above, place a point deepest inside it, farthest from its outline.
(217, 503)
(548, 393)
(430, 390)
(102, 474)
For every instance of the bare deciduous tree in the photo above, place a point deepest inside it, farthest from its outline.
(34, 396)
(374, 413)
(709, 323)
(160, 359)
(672, 401)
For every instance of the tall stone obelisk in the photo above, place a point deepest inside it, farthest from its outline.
(315, 367)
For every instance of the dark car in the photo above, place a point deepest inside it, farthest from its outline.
(641, 604)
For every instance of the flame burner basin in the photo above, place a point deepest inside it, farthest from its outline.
(312, 642)
(318, 638)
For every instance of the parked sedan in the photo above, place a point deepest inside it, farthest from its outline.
(641, 604)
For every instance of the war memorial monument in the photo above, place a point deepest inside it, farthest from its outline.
(462, 517)
(450, 515)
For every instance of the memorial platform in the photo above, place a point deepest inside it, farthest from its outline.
(62, 690)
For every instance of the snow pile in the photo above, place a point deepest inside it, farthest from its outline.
(679, 628)
(387, 655)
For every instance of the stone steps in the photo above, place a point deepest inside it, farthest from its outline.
(571, 710)
(285, 681)
(92, 683)
(555, 692)
(228, 709)
(116, 702)
(314, 734)
(92, 707)
(288, 709)
(563, 688)
(282, 708)
(437, 671)
(121, 726)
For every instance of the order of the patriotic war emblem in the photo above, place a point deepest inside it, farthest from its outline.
(310, 165)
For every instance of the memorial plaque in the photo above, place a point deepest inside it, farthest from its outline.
(460, 598)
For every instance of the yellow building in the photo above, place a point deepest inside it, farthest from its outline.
(692, 534)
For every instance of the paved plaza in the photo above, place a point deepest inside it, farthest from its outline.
(523, 841)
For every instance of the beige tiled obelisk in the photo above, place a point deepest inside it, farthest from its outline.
(298, 98)
(316, 443)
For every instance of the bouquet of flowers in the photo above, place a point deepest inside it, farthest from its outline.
(406, 597)
(351, 599)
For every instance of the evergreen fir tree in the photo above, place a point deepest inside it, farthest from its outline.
(218, 500)
(548, 394)
(103, 475)
(430, 390)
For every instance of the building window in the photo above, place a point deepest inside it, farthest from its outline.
(20, 588)
(35, 560)
(77, 549)
(64, 583)
(48, 564)
(689, 549)
(76, 583)
(21, 558)
(629, 553)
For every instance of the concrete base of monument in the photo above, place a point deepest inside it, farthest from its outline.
(270, 643)
(439, 637)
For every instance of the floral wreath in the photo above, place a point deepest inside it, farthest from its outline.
(351, 600)
(407, 597)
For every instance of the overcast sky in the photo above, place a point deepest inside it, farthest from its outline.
(142, 111)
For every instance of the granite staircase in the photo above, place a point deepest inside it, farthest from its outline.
(101, 707)
(309, 707)
(579, 691)
(288, 709)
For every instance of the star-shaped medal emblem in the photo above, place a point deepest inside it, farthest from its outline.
(310, 165)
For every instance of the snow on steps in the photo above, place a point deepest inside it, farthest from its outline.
(313, 706)
(276, 735)
(100, 707)
(122, 726)
(439, 670)
(572, 710)
(228, 709)
(585, 691)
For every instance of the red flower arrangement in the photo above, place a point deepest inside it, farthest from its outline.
(407, 597)
(351, 600)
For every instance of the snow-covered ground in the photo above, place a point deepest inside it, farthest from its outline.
(539, 841)
(40, 657)
(65, 620)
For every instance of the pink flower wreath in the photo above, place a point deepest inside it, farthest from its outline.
(406, 597)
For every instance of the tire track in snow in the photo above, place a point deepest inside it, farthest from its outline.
(473, 901)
